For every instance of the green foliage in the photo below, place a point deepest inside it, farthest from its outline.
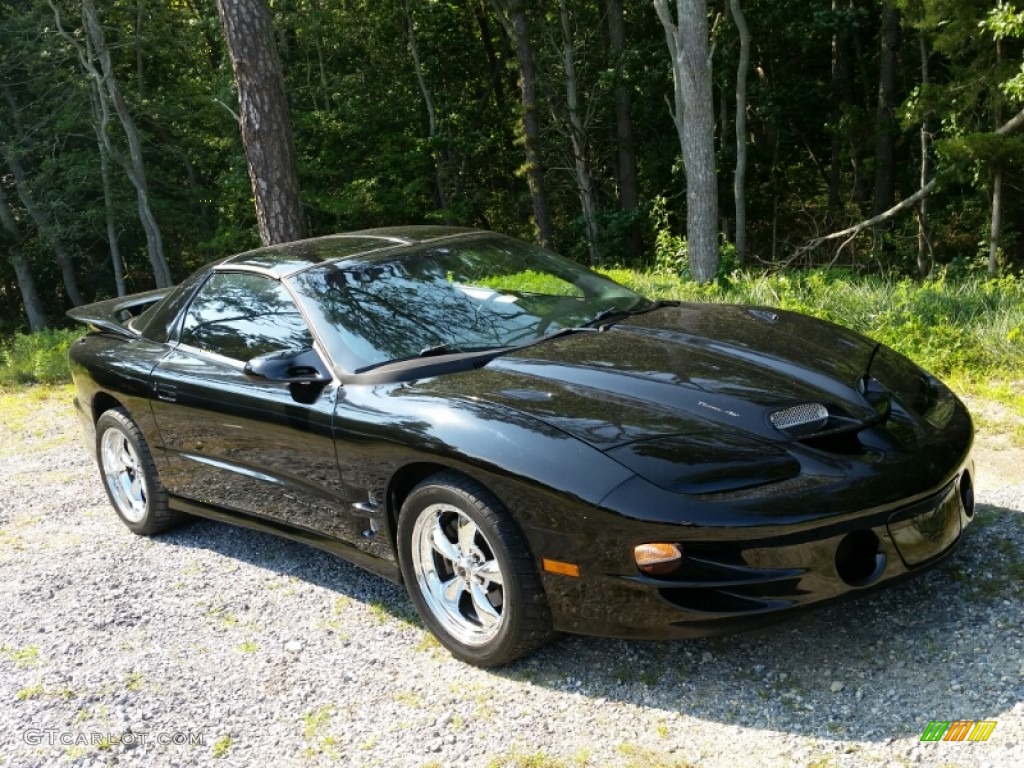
(960, 153)
(670, 249)
(1004, 21)
(671, 252)
(963, 329)
(367, 156)
(36, 358)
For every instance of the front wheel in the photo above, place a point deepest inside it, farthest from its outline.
(469, 572)
(130, 477)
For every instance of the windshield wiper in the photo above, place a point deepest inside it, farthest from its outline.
(452, 349)
(601, 321)
(439, 349)
(610, 312)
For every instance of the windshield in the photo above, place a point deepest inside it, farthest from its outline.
(459, 295)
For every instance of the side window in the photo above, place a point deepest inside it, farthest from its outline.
(241, 316)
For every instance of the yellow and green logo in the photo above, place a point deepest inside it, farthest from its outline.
(958, 730)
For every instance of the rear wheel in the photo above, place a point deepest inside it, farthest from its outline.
(130, 477)
(469, 572)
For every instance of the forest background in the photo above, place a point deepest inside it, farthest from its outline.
(863, 160)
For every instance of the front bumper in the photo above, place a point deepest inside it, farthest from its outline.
(738, 579)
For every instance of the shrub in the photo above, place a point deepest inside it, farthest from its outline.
(40, 357)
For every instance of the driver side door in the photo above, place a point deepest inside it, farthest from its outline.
(240, 442)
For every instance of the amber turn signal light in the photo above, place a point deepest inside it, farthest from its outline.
(565, 569)
(657, 558)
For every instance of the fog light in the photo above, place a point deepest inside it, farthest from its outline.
(657, 558)
(967, 493)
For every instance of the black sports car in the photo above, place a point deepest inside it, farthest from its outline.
(527, 445)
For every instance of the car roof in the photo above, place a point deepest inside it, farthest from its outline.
(286, 259)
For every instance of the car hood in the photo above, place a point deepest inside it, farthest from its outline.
(688, 370)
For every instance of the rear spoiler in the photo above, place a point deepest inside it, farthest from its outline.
(113, 315)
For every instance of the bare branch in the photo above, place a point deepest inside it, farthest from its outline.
(229, 109)
(1016, 122)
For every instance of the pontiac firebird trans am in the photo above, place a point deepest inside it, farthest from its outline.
(528, 446)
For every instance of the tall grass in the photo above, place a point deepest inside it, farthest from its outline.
(967, 330)
(964, 329)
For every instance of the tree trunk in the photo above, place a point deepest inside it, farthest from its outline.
(22, 271)
(740, 178)
(108, 213)
(629, 196)
(100, 120)
(39, 216)
(29, 294)
(885, 122)
(513, 16)
(694, 117)
(577, 136)
(264, 119)
(493, 64)
(996, 229)
(924, 251)
(841, 94)
(135, 168)
(996, 224)
(428, 102)
(317, 20)
(139, 58)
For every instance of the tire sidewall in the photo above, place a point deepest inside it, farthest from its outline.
(114, 420)
(497, 650)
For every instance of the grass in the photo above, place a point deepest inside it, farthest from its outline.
(30, 692)
(20, 414)
(134, 682)
(966, 330)
(221, 746)
(643, 757)
(318, 742)
(22, 657)
(538, 759)
(969, 331)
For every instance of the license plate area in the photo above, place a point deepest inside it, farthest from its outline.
(927, 529)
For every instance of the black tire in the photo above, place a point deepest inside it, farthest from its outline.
(129, 475)
(492, 563)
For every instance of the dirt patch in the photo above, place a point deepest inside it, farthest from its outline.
(998, 460)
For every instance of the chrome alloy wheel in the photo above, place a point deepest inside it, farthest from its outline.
(458, 574)
(123, 475)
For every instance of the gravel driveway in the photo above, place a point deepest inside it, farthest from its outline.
(219, 646)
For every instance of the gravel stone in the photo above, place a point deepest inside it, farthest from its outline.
(214, 645)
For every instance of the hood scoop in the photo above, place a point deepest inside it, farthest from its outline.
(800, 420)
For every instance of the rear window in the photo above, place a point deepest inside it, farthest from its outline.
(158, 322)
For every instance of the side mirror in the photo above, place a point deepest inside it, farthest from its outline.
(302, 369)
